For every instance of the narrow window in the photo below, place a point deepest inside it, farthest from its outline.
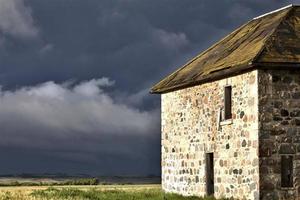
(286, 171)
(210, 174)
(227, 102)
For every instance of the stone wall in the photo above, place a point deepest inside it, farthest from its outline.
(279, 107)
(190, 129)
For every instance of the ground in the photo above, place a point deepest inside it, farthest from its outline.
(103, 192)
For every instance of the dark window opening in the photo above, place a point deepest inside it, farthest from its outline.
(209, 174)
(286, 171)
(227, 102)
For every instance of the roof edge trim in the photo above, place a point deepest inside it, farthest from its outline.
(231, 72)
(274, 11)
(208, 78)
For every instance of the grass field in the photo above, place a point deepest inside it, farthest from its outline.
(103, 192)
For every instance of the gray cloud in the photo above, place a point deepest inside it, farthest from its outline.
(76, 122)
(16, 19)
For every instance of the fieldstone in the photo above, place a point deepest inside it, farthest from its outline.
(287, 149)
(284, 112)
(242, 114)
(276, 168)
(295, 122)
(267, 185)
(269, 195)
(252, 186)
(276, 78)
(296, 95)
(264, 151)
(285, 123)
(221, 163)
(267, 122)
(295, 113)
(264, 169)
(297, 139)
(255, 162)
(277, 118)
(244, 143)
(252, 79)
(291, 132)
(277, 104)
(275, 131)
(286, 95)
(286, 139)
(264, 135)
(287, 79)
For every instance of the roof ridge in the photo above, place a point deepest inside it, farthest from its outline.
(272, 33)
(274, 11)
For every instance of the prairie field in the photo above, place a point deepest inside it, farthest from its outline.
(103, 192)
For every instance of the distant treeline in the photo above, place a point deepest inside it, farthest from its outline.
(46, 175)
(64, 175)
(83, 181)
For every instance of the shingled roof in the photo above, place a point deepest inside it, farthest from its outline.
(271, 40)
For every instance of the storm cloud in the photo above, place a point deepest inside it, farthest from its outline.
(79, 121)
(75, 77)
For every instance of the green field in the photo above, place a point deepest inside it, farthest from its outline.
(101, 192)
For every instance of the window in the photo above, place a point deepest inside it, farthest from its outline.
(227, 102)
(286, 171)
(209, 174)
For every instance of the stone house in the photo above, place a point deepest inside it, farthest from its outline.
(230, 117)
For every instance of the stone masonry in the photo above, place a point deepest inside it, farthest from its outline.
(247, 149)
(190, 129)
(279, 131)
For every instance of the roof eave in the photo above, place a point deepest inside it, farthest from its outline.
(204, 79)
(229, 72)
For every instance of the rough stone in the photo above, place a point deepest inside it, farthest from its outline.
(295, 113)
(296, 95)
(287, 149)
(247, 149)
(177, 176)
(284, 113)
(295, 122)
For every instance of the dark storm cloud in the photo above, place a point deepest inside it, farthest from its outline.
(58, 121)
(79, 123)
(125, 40)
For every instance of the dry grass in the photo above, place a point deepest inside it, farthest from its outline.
(24, 192)
(100, 192)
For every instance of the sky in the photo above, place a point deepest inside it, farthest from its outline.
(75, 77)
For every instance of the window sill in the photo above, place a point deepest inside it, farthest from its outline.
(288, 188)
(226, 122)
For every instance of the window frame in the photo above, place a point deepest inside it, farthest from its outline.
(227, 116)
